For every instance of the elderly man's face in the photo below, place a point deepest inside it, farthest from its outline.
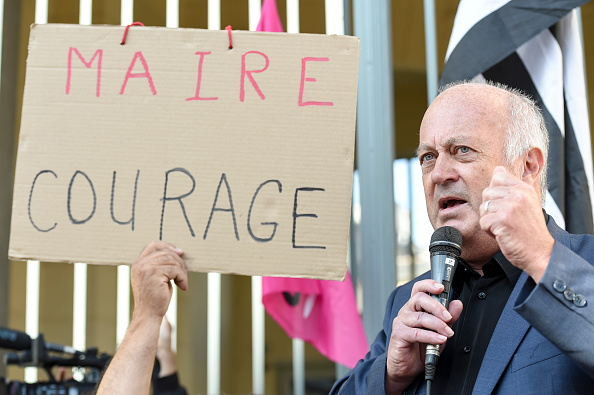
(461, 142)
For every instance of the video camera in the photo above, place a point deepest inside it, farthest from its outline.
(41, 354)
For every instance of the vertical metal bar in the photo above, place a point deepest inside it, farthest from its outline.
(214, 14)
(298, 354)
(346, 5)
(375, 156)
(79, 300)
(254, 11)
(298, 367)
(293, 16)
(172, 21)
(33, 267)
(258, 338)
(32, 311)
(411, 246)
(41, 11)
(79, 313)
(85, 13)
(172, 13)
(335, 17)
(430, 49)
(336, 24)
(123, 281)
(213, 347)
(213, 352)
(126, 12)
(258, 332)
(122, 303)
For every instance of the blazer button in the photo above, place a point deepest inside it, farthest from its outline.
(559, 286)
(569, 294)
(579, 300)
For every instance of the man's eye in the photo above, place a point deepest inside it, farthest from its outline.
(426, 157)
(464, 150)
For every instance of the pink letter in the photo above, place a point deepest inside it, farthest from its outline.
(303, 79)
(249, 74)
(87, 65)
(146, 73)
(197, 97)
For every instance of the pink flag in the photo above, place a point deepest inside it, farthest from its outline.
(323, 313)
(269, 18)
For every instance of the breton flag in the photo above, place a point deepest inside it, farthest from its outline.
(535, 46)
(323, 313)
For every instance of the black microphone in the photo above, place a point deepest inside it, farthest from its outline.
(14, 340)
(445, 249)
(17, 340)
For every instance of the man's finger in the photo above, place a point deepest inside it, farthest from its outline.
(427, 286)
(159, 245)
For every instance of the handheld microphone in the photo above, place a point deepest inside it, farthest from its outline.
(17, 340)
(445, 249)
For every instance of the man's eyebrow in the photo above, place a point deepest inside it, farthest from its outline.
(451, 141)
(423, 147)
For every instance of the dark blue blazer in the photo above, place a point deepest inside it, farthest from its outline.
(542, 344)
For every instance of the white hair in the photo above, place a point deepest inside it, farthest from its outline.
(526, 127)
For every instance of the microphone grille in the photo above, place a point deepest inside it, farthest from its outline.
(446, 239)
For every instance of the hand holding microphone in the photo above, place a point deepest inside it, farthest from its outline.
(422, 320)
(445, 250)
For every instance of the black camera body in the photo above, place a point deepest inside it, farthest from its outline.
(38, 353)
(62, 388)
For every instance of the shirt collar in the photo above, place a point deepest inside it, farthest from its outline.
(496, 265)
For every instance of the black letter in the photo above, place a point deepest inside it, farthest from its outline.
(223, 178)
(131, 220)
(295, 216)
(179, 198)
(249, 226)
(31, 197)
(81, 221)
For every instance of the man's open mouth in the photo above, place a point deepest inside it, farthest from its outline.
(449, 203)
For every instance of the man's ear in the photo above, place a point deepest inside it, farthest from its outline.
(533, 165)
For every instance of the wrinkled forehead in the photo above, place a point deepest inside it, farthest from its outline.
(465, 112)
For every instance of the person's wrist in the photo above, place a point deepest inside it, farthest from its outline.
(146, 317)
(395, 385)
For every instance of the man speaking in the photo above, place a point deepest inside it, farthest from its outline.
(521, 319)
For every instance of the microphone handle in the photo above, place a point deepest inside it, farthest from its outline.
(447, 276)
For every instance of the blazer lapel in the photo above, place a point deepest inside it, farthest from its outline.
(508, 334)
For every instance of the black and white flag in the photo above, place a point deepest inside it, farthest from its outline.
(535, 46)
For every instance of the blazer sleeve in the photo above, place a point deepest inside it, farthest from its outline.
(561, 305)
(368, 376)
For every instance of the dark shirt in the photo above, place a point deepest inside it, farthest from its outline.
(166, 385)
(484, 299)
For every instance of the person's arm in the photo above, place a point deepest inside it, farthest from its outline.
(165, 354)
(515, 218)
(130, 370)
(565, 320)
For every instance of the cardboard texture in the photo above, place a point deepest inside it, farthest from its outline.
(242, 157)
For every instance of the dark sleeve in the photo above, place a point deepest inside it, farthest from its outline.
(565, 319)
(367, 377)
(168, 385)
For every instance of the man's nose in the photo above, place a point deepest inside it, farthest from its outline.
(444, 170)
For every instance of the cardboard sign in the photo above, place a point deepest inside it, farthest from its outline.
(242, 157)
